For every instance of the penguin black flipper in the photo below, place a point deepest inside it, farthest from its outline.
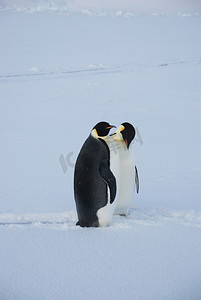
(107, 175)
(109, 178)
(136, 179)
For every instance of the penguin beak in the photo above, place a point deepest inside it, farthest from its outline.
(111, 126)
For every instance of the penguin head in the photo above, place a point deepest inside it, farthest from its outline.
(125, 132)
(101, 129)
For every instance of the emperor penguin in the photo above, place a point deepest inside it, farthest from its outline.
(123, 138)
(94, 183)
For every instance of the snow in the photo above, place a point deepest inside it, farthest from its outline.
(64, 66)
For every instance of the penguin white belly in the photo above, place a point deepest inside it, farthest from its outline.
(105, 213)
(127, 179)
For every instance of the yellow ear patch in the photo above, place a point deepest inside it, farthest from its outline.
(121, 128)
(94, 133)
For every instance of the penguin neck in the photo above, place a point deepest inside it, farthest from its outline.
(121, 145)
(130, 148)
(94, 134)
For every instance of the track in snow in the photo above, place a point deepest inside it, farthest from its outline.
(137, 216)
(34, 73)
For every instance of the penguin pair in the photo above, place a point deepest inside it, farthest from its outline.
(105, 175)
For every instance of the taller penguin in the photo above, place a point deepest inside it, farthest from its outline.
(94, 183)
(123, 137)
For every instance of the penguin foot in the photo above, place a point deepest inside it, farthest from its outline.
(88, 224)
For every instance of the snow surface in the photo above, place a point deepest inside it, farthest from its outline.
(64, 66)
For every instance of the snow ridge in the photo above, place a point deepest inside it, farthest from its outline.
(119, 10)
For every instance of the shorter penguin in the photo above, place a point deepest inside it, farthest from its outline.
(94, 183)
(123, 137)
